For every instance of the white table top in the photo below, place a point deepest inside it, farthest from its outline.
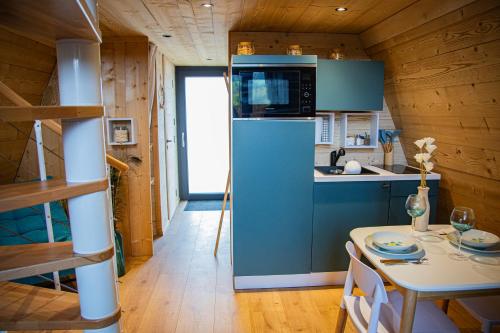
(439, 273)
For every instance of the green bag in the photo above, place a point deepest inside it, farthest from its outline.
(120, 257)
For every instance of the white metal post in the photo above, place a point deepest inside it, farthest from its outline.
(79, 69)
(43, 177)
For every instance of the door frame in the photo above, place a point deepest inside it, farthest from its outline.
(181, 72)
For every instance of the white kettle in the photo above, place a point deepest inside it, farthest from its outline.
(352, 167)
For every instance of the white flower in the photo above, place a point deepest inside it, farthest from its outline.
(426, 156)
(428, 166)
(429, 141)
(422, 157)
(420, 143)
(430, 148)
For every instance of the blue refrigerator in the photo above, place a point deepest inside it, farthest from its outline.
(272, 193)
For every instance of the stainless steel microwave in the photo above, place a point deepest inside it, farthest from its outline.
(274, 86)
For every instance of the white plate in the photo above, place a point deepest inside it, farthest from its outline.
(453, 238)
(418, 253)
(393, 241)
(479, 239)
(493, 261)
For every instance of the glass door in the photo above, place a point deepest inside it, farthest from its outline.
(204, 134)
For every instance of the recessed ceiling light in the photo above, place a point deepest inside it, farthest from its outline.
(166, 35)
(341, 9)
(207, 5)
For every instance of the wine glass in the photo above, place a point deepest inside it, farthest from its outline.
(415, 207)
(462, 219)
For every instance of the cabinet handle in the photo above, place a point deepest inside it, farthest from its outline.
(385, 185)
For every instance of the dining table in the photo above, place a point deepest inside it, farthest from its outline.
(439, 277)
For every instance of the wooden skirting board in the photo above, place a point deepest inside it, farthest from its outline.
(14, 196)
(20, 310)
(18, 261)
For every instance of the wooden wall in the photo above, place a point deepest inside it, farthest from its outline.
(52, 143)
(125, 92)
(164, 133)
(443, 80)
(322, 44)
(26, 67)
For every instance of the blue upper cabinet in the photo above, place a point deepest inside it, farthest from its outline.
(349, 85)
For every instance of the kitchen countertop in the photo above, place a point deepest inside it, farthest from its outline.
(383, 175)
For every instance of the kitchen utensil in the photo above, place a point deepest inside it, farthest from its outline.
(462, 219)
(393, 241)
(453, 239)
(430, 238)
(352, 168)
(417, 253)
(479, 239)
(403, 261)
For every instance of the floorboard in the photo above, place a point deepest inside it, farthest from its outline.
(183, 288)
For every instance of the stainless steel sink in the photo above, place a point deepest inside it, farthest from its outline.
(338, 171)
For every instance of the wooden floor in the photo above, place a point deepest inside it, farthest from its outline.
(183, 288)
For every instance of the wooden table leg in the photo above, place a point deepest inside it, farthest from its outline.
(446, 304)
(341, 320)
(408, 311)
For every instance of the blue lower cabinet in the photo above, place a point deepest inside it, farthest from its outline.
(272, 196)
(340, 207)
(400, 191)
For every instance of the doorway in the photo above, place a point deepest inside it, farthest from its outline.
(202, 100)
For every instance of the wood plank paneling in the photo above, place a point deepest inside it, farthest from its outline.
(200, 33)
(443, 80)
(412, 16)
(125, 94)
(320, 44)
(26, 67)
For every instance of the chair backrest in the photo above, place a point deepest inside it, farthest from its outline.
(369, 282)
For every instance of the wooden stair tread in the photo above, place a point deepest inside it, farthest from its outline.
(29, 113)
(24, 307)
(50, 20)
(17, 261)
(14, 196)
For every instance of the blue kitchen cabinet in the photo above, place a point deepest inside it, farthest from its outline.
(272, 196)
(349, 85)
(340, 207)
(400, 190)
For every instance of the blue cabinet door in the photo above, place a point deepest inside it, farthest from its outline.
(400, 190)
(340, 207)
(272, 193)
(349, 85)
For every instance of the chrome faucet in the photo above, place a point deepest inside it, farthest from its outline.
(334, 156)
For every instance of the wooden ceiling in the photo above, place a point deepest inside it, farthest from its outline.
(200, 33)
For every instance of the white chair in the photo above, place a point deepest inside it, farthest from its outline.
(485, 309)
(379, 310)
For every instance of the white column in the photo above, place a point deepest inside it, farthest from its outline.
(79, 70)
